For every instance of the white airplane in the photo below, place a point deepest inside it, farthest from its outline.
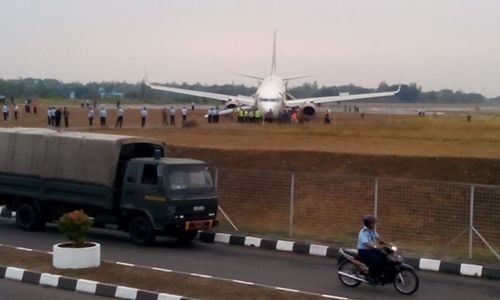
(271, 96)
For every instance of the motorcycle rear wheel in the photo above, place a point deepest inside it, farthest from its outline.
(349, 268)
(406, 281)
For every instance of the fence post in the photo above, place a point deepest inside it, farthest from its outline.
(471, 219)
(216, 179)
(375, 199)
(292, 187)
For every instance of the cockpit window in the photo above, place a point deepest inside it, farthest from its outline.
(269, 99)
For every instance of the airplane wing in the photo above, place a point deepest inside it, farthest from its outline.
(243, 100)
(341, 97)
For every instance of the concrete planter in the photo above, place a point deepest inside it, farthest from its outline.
(64, 257)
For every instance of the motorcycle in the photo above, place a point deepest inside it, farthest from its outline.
(352, 272)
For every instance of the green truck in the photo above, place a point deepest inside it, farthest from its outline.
(120, 180)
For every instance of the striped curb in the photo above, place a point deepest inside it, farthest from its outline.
(122, 292)
(83, 285)
(332, 252)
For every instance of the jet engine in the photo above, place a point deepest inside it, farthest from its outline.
(309, 110)
(230, 104)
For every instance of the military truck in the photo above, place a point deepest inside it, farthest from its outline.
(120, 180)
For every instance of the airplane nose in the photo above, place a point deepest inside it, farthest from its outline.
(265, 107)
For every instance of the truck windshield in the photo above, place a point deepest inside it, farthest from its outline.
(189, 179)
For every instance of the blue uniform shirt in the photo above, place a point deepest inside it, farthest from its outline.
(366, 235)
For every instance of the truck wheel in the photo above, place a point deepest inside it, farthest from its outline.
(28, 217)
(141, 231)
(186, 236)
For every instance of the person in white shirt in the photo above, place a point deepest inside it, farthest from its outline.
(90, 115)
(5, 111)
(119, 117)
(172, 115)
(52, 113)
(103, 114)
(184, 114)
(144, 115)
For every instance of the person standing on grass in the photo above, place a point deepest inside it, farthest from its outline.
(172, 115)
(192, 106)
(57, 117)
(48, 115)
(209, 113)
(119, 117)
(16, 109)
(144, 115)
(53, 116)
(5, 111)
(90, 115)
(103, 114)
(184, 114)
(66, 117)
(215, 115)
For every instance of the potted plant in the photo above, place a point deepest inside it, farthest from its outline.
(78, 253)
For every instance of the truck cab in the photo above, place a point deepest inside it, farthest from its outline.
(169, 196)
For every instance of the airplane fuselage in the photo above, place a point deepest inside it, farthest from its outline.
(270, 95)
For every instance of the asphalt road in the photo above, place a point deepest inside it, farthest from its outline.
(14, 290)
(307, 273)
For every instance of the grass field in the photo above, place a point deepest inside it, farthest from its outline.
(444, 136)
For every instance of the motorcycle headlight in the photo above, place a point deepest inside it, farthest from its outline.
(394, 248)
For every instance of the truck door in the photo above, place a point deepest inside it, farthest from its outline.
(144, 190)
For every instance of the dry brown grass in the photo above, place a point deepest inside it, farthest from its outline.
(445, 136)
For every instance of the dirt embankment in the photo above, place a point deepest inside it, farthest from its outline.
(468, 170)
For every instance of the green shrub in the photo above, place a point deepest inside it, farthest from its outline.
(75, 225)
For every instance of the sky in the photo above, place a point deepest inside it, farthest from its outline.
(437, 44)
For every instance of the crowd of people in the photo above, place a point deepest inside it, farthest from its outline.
(168, 115)
(29, 106)
(60, 116)
(54, 116)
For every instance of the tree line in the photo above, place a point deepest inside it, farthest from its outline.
(52, 88)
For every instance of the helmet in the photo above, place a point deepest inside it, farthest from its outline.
(369, 220)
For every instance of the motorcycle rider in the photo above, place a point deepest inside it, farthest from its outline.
(368, 252)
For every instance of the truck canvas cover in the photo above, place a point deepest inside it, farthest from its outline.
(75, 156)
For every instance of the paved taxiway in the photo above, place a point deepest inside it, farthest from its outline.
(314, 274)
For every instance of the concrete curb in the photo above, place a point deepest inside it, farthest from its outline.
(123, 292)
(83, 285)
(332, 252)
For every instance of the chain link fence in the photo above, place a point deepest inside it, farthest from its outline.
(438, 219)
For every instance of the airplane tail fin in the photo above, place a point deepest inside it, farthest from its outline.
(273, 66)
(146, 81)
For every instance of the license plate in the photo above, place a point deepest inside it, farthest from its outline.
(198, 208)
(205, 224)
